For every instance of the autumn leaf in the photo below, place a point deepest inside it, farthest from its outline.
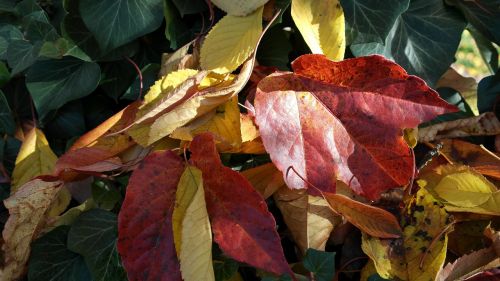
(309, 218)
(343, 120)
(375, 221)
(266, 179)
(145, 220)
(466, 86)
(239, 216)
(476, 156)
(421, 251)
(322, 26)
(191, 227)
(27, 216)
(230, 42)
(462, 189)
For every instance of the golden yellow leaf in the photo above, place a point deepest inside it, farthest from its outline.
(230, 42)
(462, 189)
(411, 136)
(266, 179)
(191, 226)
(309, 218)
(239, 7)
(184, 104)
(27, 215)
(167, 83)
(420, 253)
(322, 25)
(224, 123)
(35, 158)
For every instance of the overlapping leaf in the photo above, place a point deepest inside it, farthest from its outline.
(239, 216)
(343, 120)
(145, 221)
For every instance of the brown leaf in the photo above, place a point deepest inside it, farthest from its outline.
(266, 179)
(485, 124)
(27, 209)
(468, 265)
(466, 86)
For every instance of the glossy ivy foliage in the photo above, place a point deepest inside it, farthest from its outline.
(72, 61)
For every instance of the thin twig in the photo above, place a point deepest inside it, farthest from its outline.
(139, 73)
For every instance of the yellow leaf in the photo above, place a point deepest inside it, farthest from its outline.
(167, 83)
(27, 215)
(420, 253)
(367, 271)
(35, 158)
(192, 232)
(322, 25)
(462, 189)
(230, 42)
(239, 7)
(224, 123)
(309, 218)
(411, 136)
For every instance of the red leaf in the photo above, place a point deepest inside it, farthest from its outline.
(242, 225)
(344, 119)
(145, 236)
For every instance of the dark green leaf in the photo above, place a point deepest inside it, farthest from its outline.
(371, 20)
(488, 52)
(175, 30)
(7, 124)
(7, 5)
(11, 149)
(423, 40)
(224, 270)
(117, 77)
(483, 15)
(39, 28)
(105, 194)
(85, 45)
(51, 260)
(22, 54)
(376, 277)
(117, 22)
(52, 83)
(321, 264)
(275, 48)
(4, 74)
(488, 92)
(149, 76)
(8, 33)
(68, 122)
(93, 235)
(190, 6)
(453, 97)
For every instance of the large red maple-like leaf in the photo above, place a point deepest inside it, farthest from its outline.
(241, 223)
(145, 235)
(343, 120)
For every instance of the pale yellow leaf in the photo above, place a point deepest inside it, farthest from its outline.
(192, 232)
(35, 158)
(239, 7)
(322, 25)
(230, 42)
(411, 136)
(27, 216)
(167, 83)
(309, 218)
(224, 123)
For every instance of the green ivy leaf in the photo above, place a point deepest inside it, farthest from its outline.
(22, 54)
(321, 264)
(93, 235)
(487, 50)
(4, 74)
(105, 194)
(274, 48)
(423, 40)
(225, 269)
(51, 260)
(117, 22)
(7, 125)
(186, 7)
(8, 33)
(487, 92)
(52, 83)
(149, 76)
(175, 30)
(370, 21)
(85, 45)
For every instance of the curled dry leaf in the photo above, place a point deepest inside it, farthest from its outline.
(372, 220)
(343, 120)
(470, 264)
(238, 214)
(466, 86)
(419, 254)
(485, 124)
(308, 217)
(322, 26)
(476, 156)
(145, 220)
(27, 216)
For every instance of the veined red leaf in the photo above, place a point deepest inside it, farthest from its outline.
(145, 235)
(343, 120)
(241, 223)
